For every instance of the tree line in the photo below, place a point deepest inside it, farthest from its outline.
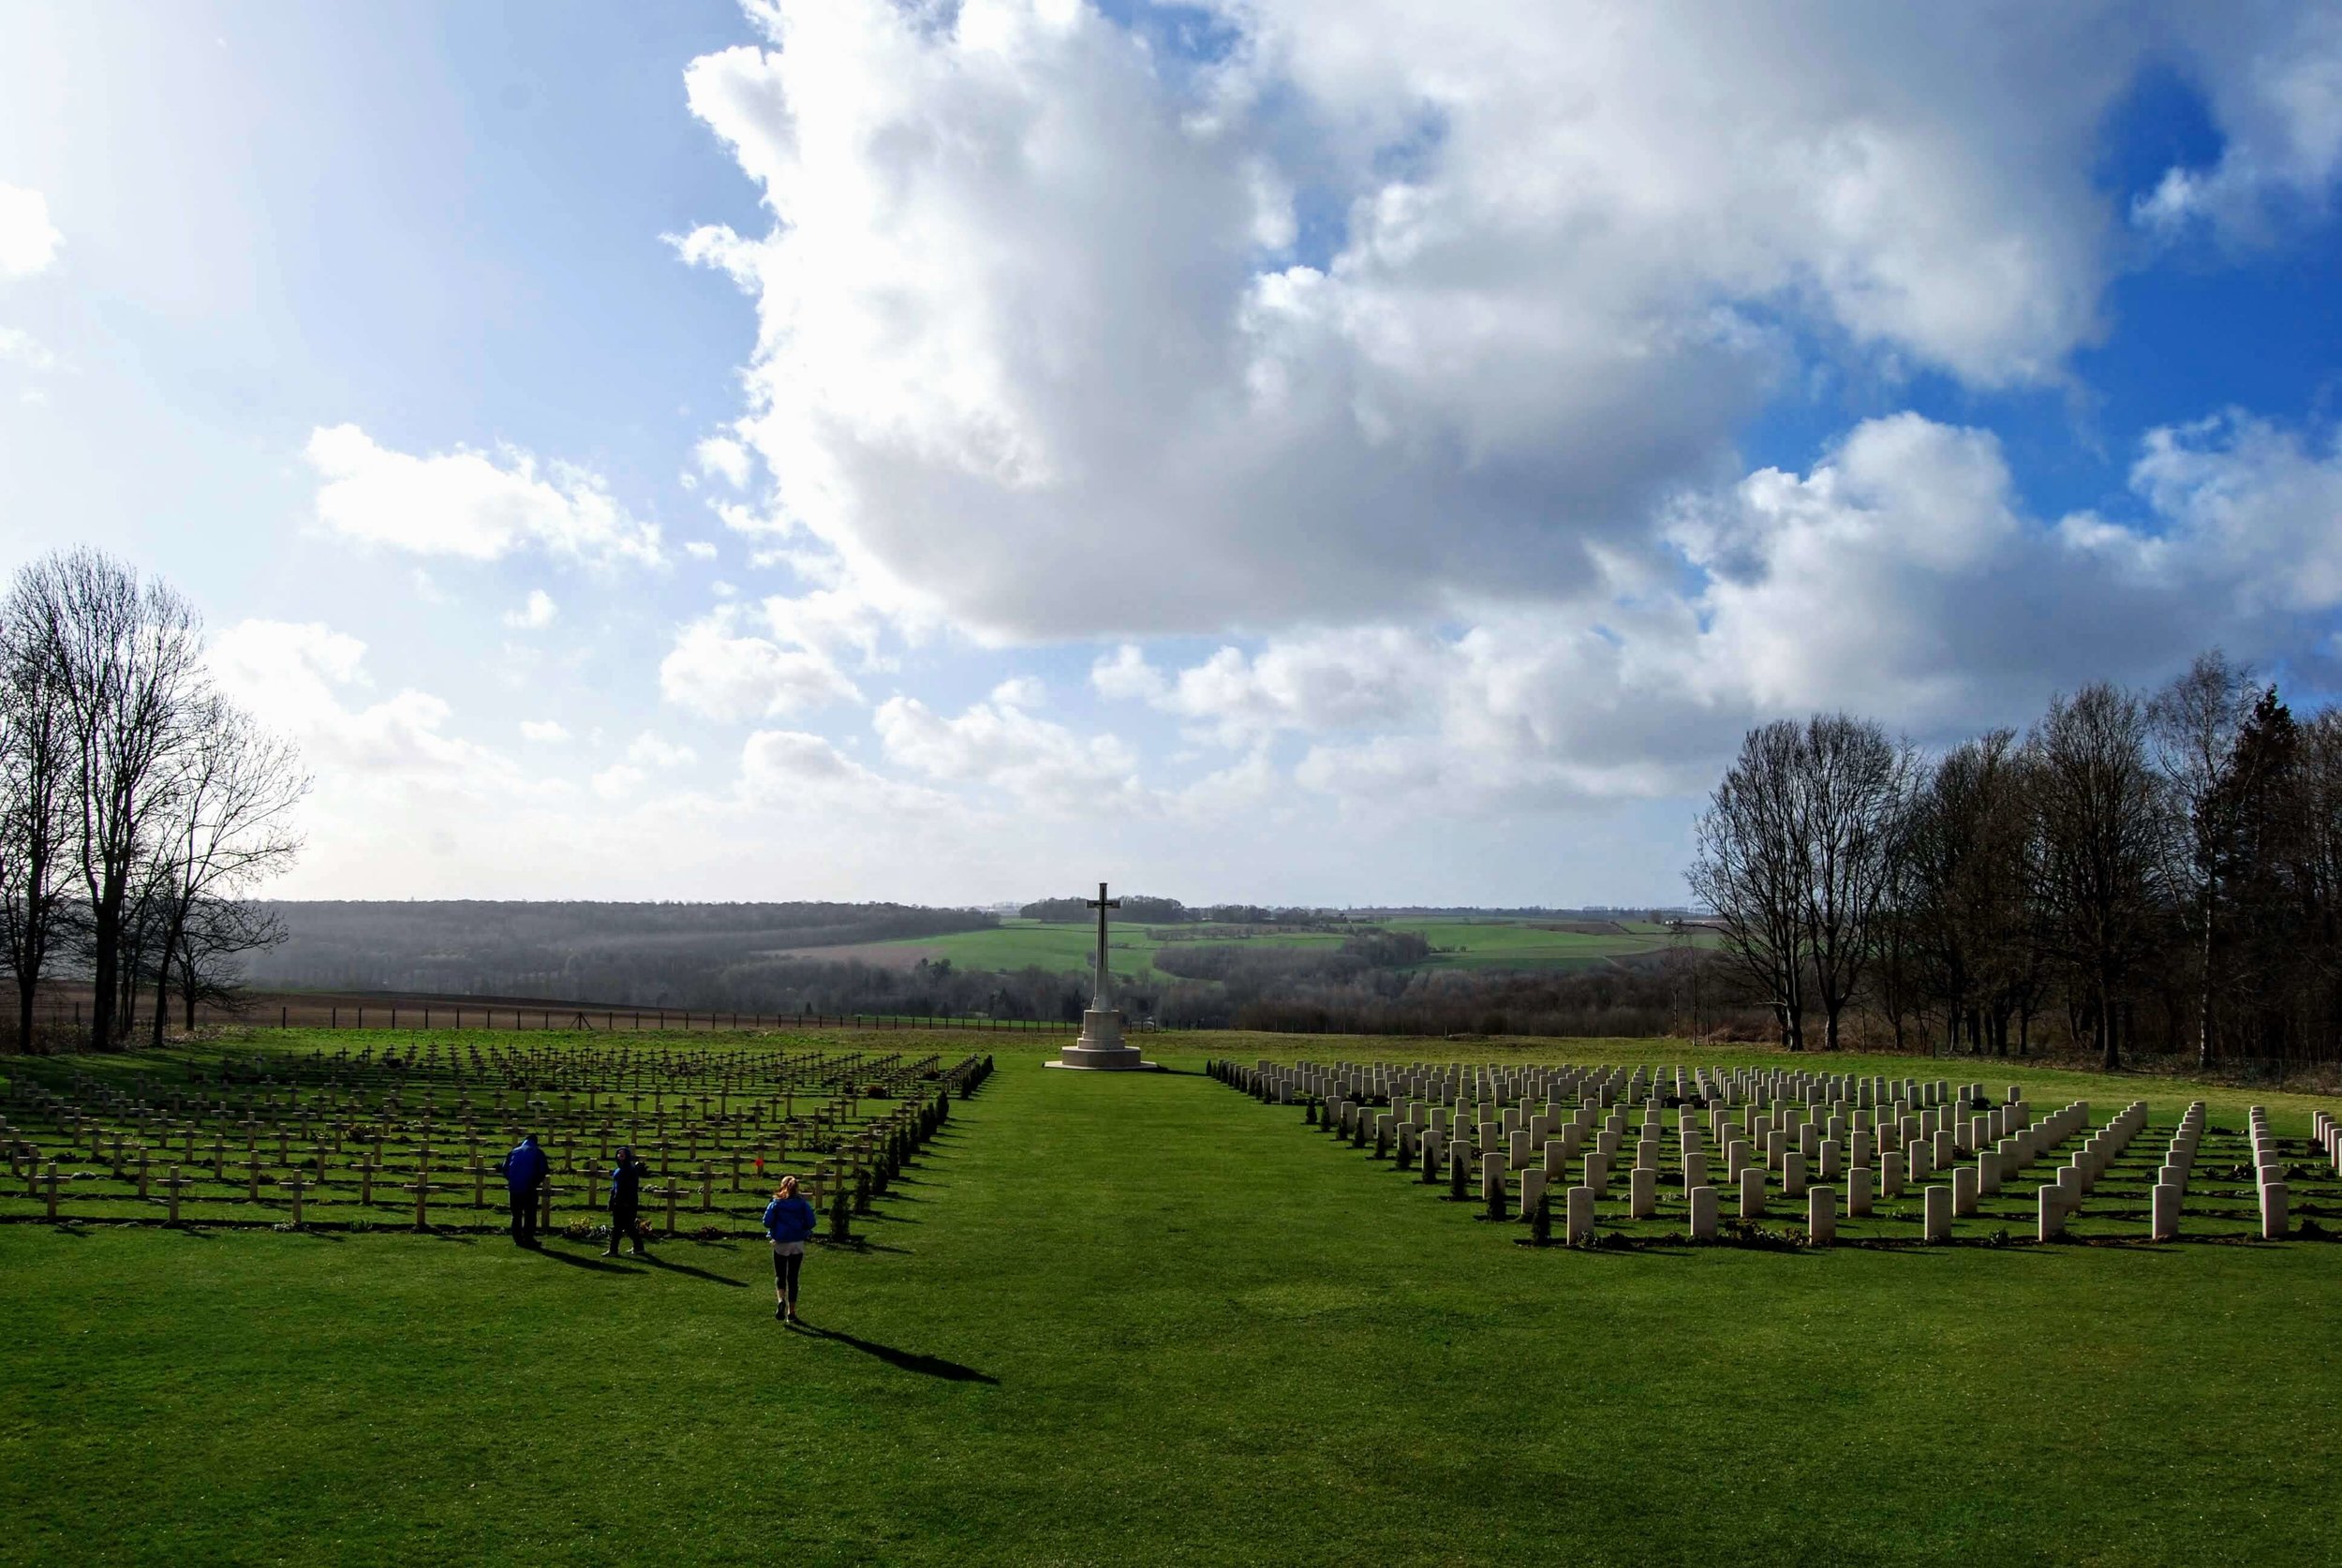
(647, 955)
(1140, 908)
(2150, 870)
(137, 802)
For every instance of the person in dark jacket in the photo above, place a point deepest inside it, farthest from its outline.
(626, 1201)
(524, 1170)
(789, 1221)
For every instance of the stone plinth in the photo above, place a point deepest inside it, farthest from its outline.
(1101, 1048)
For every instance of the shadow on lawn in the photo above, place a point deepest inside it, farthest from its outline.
(600, 1265)
(657, 1261)
(909, 1361)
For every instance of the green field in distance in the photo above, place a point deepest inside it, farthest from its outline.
(1518, 944)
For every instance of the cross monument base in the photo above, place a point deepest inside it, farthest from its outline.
(1101, 1049)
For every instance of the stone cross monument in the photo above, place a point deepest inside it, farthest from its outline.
(1105, 977)
(1101, 1048)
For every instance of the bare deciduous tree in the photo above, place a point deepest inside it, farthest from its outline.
(130, 655)
(1749, 869)
(135, 793)
(2194, 722)
(214, 935)
(2105, 834)
(1964, 879)
(37, 769)
(1849, 784)
(228, 826)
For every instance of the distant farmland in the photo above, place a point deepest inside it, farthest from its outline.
(1483, 944)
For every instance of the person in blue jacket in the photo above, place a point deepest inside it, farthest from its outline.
(789, 1221)
(524, 1170)
(626, 1201)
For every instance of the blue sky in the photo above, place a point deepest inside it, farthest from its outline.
(1286, 449)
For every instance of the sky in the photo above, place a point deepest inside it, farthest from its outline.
(1326, 452)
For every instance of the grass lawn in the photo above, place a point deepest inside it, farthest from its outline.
(1146, 1319)
(1464, 944)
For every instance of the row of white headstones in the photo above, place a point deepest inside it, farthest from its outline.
(1525, 1154)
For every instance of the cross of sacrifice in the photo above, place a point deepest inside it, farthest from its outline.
(1100, 1045)
(1102, 903)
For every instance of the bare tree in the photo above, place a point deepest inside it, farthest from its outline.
(128, 657)
(2105, 846)
(1847, 787)
(2195, 722)
(1748, 868)
(36, 817)
(214, 934)
(228, 826)
(1964, 885)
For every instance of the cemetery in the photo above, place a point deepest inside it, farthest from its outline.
(1619, 1156)
(1198, 1314)
(415, 1135)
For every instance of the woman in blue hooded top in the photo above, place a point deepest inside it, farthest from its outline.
(789, 1221)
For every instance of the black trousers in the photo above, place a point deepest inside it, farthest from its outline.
(626, 1222)
(785, 1275)
(524, 1215)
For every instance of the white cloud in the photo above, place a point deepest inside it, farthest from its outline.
(699, 550)
(537, 613)
(28, 241)
(1020, 692)
(18, 347)
(543, 731)
(1034, 348)
(293, 676)
(719, 673)
(791, 769)
(1124, 674)
(1898, 577)
(725, 459)
(617, 781)
(651, 749)
(1002, 746)
(465, 504)
(1356, 679)
(2275, 90)
(832, 621)
(2249, 505)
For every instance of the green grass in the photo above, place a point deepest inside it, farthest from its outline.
(1460, 943)
(1149, 1320)
(1517, 945)
(1018, 943)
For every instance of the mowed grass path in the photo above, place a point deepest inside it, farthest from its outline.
(1143, 1319)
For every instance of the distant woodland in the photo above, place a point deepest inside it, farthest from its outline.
(775, 958)
(642, 955)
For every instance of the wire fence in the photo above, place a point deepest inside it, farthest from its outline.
(61, 1022)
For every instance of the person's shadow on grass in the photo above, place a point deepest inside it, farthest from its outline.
(657, 1261)
(909, 1361)
(602, 1265)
